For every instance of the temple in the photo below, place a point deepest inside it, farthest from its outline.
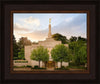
(49, 43)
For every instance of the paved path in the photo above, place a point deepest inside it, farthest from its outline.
(50, 68)
(75, 69)
(22, 69)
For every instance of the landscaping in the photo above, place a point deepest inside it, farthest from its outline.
(37, 67)
(75, 54)
(27, 66)
(21, 61)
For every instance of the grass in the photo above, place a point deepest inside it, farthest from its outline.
(71, 67)
(27, 66)
(76, 67)
(39, 68)
(63, 68)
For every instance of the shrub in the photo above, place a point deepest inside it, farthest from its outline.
(57, 68)
(19, 66)
(41, 68)
(23, 58)
(29, 66)
(15, 58)
(77, 67)
(72, 64)
(62, 68)
(36, 67)
(21, 54)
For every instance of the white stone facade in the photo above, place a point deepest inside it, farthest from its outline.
(49, 43)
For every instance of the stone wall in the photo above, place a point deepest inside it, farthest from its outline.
(36, 63)
(59, 64)
(65, 64)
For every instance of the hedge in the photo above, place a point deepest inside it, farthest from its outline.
(21, 61)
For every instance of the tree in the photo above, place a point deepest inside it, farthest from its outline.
(40, 54)
(78, 50)
(69, 57)
(73, 38)
(21, 54)
(81, 39)
(60, 37)
(45, 56)
(59, 53)
(23, 41)
(15, 48)
(82, 54)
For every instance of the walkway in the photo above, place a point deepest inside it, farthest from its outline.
(50, 68)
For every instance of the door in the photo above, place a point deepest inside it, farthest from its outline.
(50, 64)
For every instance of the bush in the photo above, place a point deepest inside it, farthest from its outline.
(29, 66)
(62, 68)
(41, 68)
(72, 64)
(77, 67)
(23, 58)
(57, 68)
(21, 54)
(15, 58)
(22, 66)
(36, 67)
(19, 66)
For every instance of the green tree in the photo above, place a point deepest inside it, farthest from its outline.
(78, 49)
(59, 53)
(73, 38)
(82, 54)
(69, 57)
(82, 39)
(40, 54)
(15, 48)
(21, 54)
(23, 41)
(60, 37)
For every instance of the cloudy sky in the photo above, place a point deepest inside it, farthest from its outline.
(34, 26)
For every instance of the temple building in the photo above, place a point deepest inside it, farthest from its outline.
(49, 43)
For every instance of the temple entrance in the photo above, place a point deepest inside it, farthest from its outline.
(50, 65)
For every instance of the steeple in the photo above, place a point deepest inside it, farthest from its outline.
(49, 33)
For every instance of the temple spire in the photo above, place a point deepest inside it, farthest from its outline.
(49, 33)
(49, 20)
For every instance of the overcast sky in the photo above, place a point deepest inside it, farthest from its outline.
(34, 26)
